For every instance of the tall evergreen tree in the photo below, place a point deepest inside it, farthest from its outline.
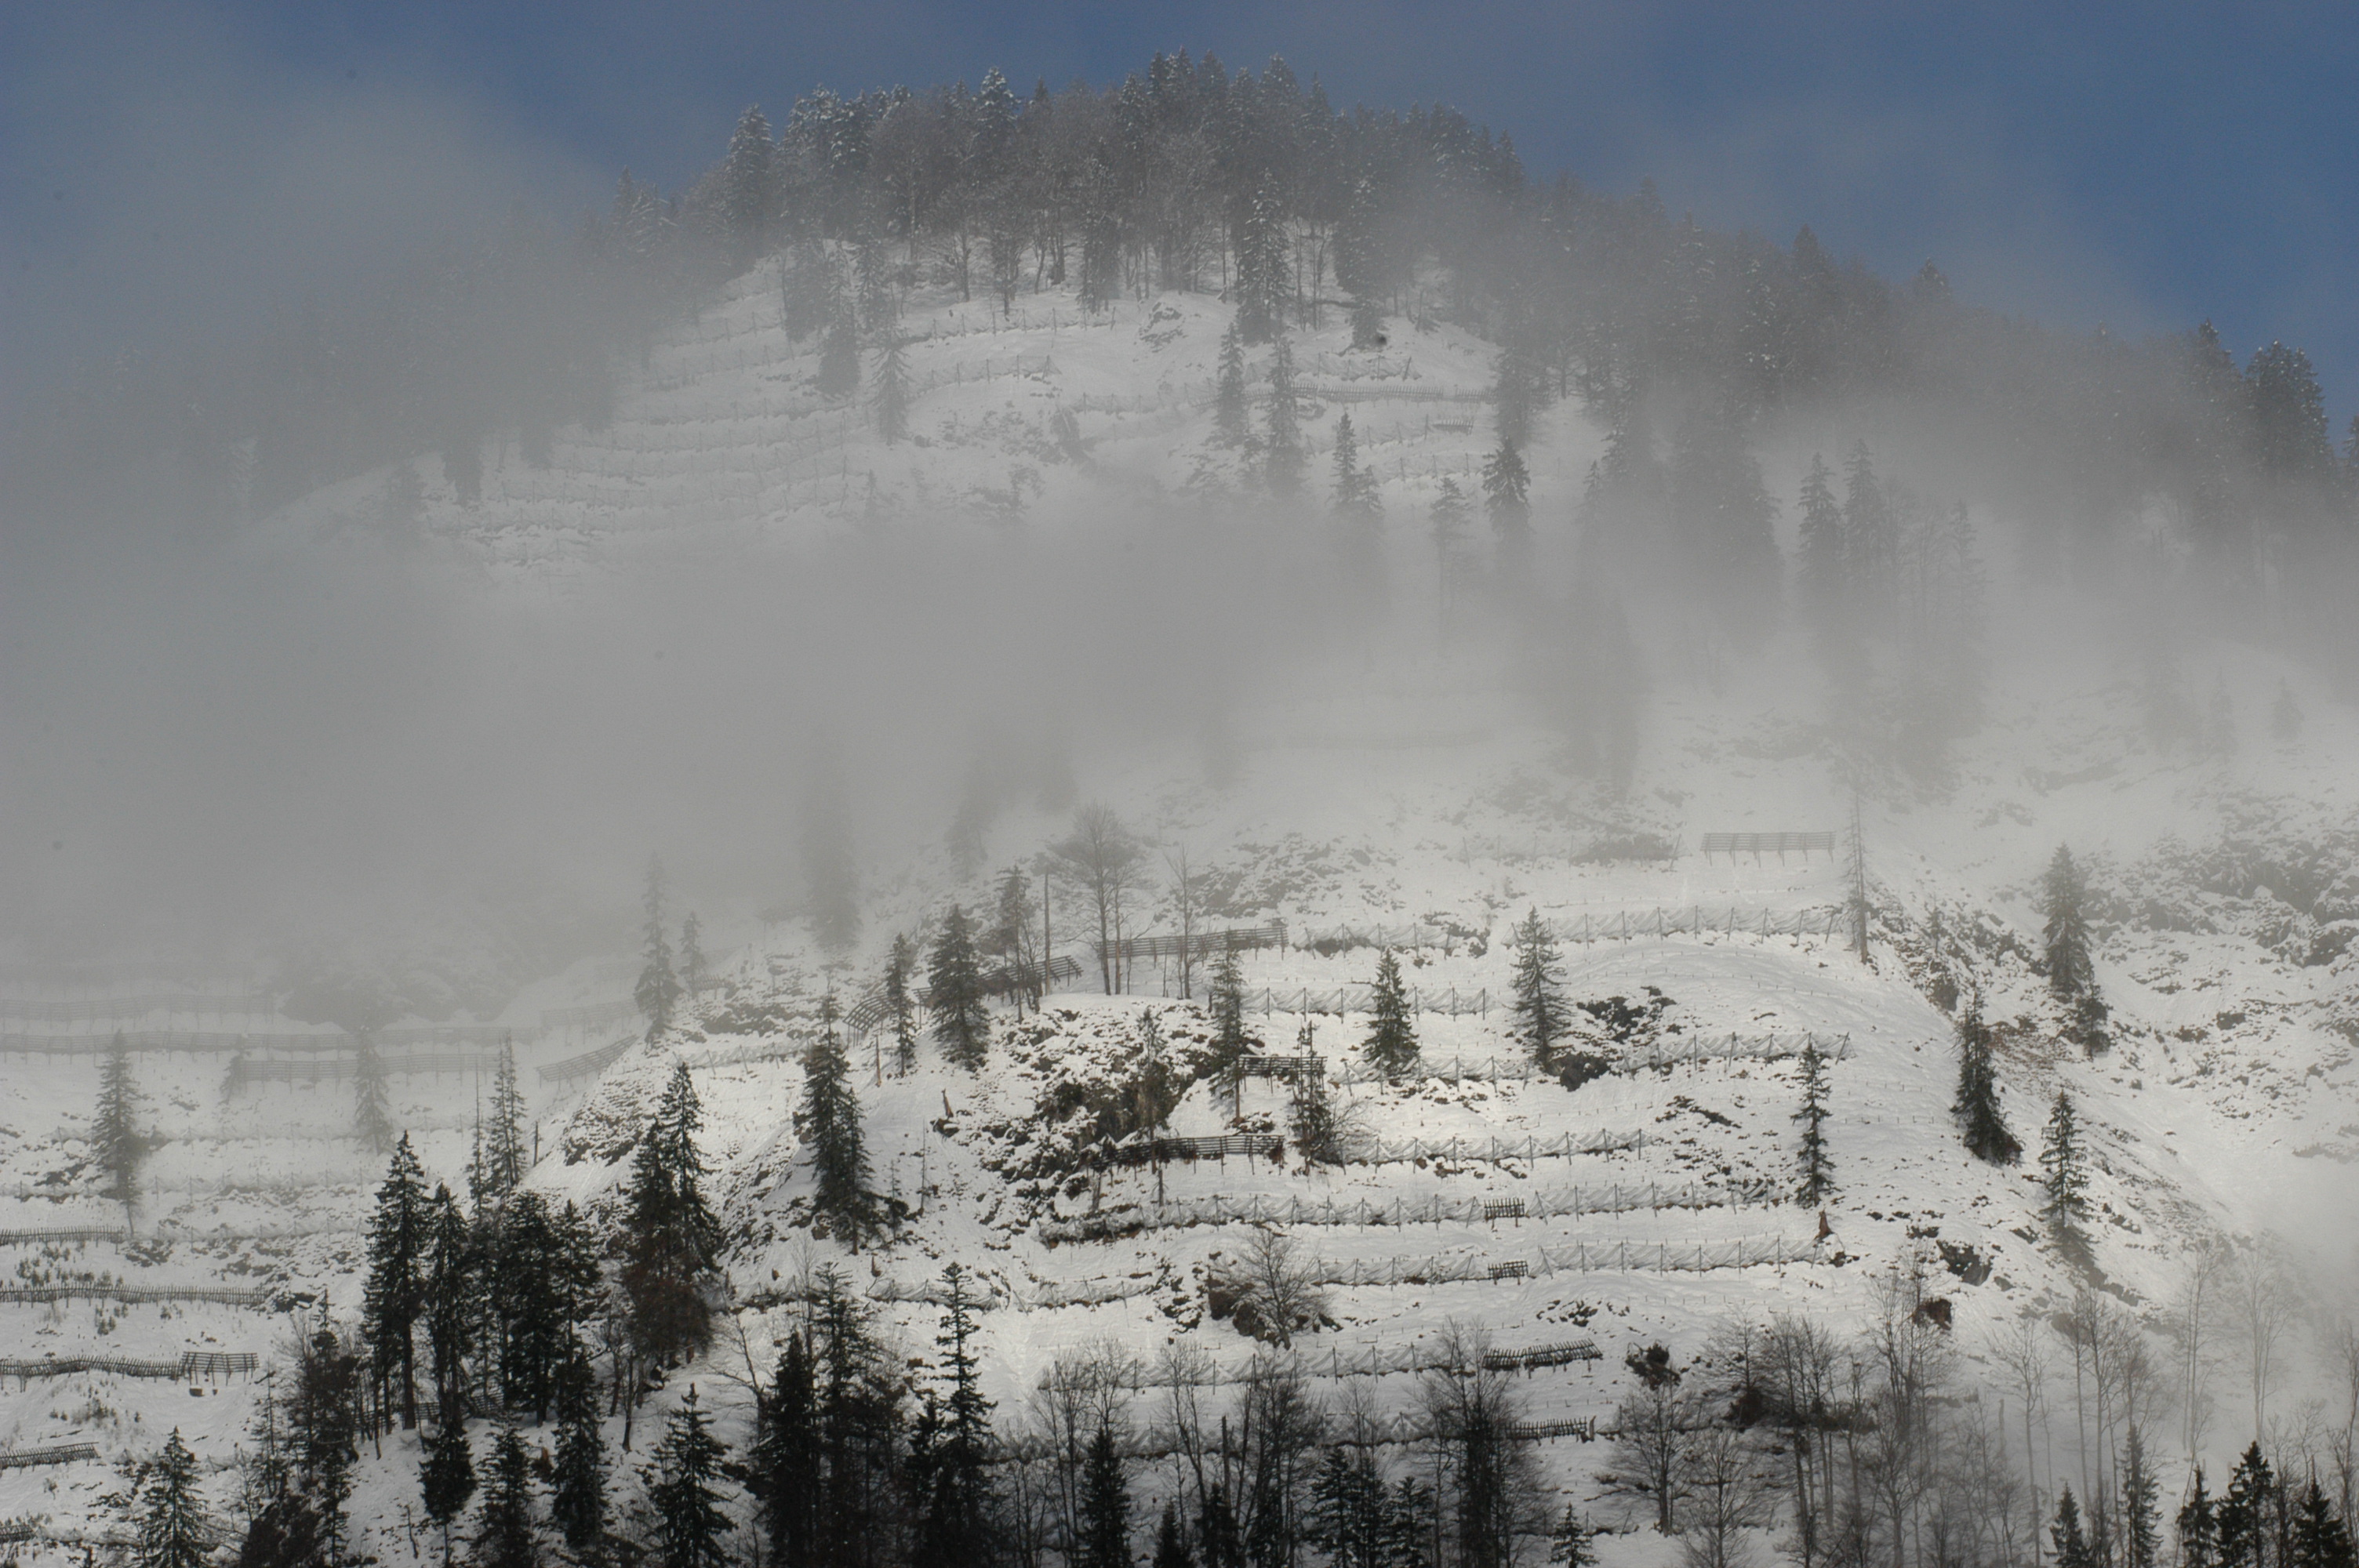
(658, 989)
(172, 1525)
(1106, 1507)
(954, 986)
(116, 1140)
(2064, 1176)
(507, 1533)
(670, 1241)
(393, 1295)
(2199, 1527)
(1172, 1542)
(693, 975)
(2064, 1533)
(451, 1299)
(1822, 566)
(2141, 1513)
(2063, 896)
(323, 1415)
(1506, 499)
(829, 1120)
(862, 1462)
(1569, 1547)
(953, 1523)
(1976, 1107)
(2247, 1511)
(1390, 1044)
(1818, 1181)
(1316, 1128)
(786, 1459)
(446, 1478)
(1349, 1511)
(1540, 1006)
(891, 396)
(506, 1157)
(1355, 495)
(1233, 1038)
(688, 1527)
(577, 1501)
(372, 1119)
(901, 1003)
(1281, 447)
(2320, 1538)
(1229, 391)
(544, 1279)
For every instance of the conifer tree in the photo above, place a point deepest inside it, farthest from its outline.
(116, 1140)
(1170, 1542)
(1281, 449)
(669, 1238)
(393, 1294)
(1106, 1507)
(1349, 1511)
(504, 1155)
(1233, 1039)
(829, 1120)
(1217, 1535)
(446, 1478)
(901, 1005)
(2247, 1511)
(507, 1532)
(1506, 498)
(1818, 1181)
(322, 1417)
(954, 1527)
(1822, 568)
(577, 1501)
(2141, 1516)
(954, 985)
(543, 1279)
(2063, 894)
(657, 991)
(2064, 1176)
(892, 393)
(172, 1525)
(1569, 1547)
(1984, 1128)
(2064, 1533)
(692, 956)
(1354, 494)
(839, 358)
(1390, 1045)
(2320, 1538)
(450, 1297)
(1540, 1007)
(1229, 393)
(787, 1458)
(2198, 1527)
(688, 1527)
(1447, 524)
(1316, 1128)
(371, 1120)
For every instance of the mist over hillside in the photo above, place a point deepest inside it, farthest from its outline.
(1151, 822)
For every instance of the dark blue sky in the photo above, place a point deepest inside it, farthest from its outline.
(2143, 165)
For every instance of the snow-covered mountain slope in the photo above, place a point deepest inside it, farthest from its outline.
(1401, 795)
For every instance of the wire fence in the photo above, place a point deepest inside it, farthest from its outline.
(218, 1296)
(61, 1453)
(193, 1367)
(1433, 1209)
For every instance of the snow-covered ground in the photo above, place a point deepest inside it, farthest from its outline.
(1399, 791)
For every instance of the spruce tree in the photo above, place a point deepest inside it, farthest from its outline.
(1569, 1547)
(829, 1120)
(1229, 394)
(892, 392)
(1349, 1510)
(1355, 495)
(115, 1141)
(2245, 1512)
(902, 1004)
(172, 1525)
(2141, 1515)
(577, 1498)
(371, 1120)
(954, 984)
(657, 991)
(393, 1295)
(1447, 525)
(2064, 1176)
(2198, 1527)
(1506, 498)
(1106, 1507)
(1172, 1542)
(541, 1285)
(691, 956)
(2064, 1533)
(1233, 1040)
(1818, 1181)
(1976, 1107)
(955, 1525)
(446, 1478)
(2321, 1538)
(1281, 451)
(507, 1532)
(670, 1241)
(1390, 1044)
(786, 1459)
(1540, 1007)
(451, 1298)
(1821, 569)
(2062, 896)
(688, 1527)
(505, 1154)
(323, 1419)
(1316, 1128)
